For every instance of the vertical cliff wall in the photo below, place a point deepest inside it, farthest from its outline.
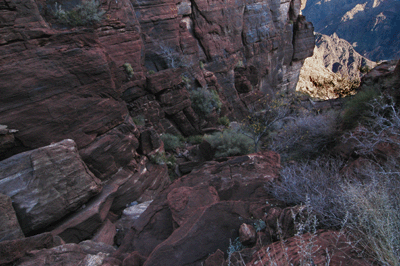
(60, 82)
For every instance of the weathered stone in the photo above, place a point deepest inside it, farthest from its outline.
(304, 41)
(9, 226)
(110, 152)
(93, 247)
(150, 142)
(247, 234)
(84, 223)
(185, 201)
(179, 212)
(209, 228)
(46, 184)
(134, 259)
(68, 255)
(141, 186)
(12, 250)
(106, 233)
(216, 259)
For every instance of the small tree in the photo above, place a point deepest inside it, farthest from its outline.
(257, 124)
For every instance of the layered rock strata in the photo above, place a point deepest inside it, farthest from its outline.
(60, 82)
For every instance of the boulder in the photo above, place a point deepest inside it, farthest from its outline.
(185, 201)
(65, 255)
(12, 250)
(206, 231)
(206, 206)
(9, 226)
(46, 184)
(247, 234)
(84, 223)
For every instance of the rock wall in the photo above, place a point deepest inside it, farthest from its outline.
(59, 82)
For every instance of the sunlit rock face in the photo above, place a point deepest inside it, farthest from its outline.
(334, 70)
(371, 26)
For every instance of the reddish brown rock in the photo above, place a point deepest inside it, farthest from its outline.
(185, 201)
(247, 234)
(66, 255)
(134, 259)
(9, 226)
(150, 142)
(85, 222)
(142, 186)
(14, 249)
(216, 259)
(210, 228)
(106, 233)
(110, 152)
(93, 247)
(47, 183)
(239, 180)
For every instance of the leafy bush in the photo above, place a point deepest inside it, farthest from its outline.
(259, 124)
(230, 143)
(128, 69)
(224, 121)
(161, 158)
(139, 120)
(171, 142)
(87, 13)
(204, 101)
(357, 107)
(196, 139)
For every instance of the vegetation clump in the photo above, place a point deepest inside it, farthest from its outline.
(357, 107)
(224, 121)
(128, 69)
(171, 142)
(230, 143)
(87, 13)
(205, 101)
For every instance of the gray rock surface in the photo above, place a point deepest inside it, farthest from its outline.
(46, 184)
(9, 226)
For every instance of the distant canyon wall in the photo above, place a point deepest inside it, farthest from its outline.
(371, 26)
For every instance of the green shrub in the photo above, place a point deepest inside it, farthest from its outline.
(151, 72)
(196, 139)
(161, 158)
(224, 121)
(171, 142)
(87, 13)
(128, 69)
(139, 120)
(357, 107)
(230, 143)
(204, 101)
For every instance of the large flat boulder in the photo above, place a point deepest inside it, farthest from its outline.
(46, 184)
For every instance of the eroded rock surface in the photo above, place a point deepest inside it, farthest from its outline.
(47, 183)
